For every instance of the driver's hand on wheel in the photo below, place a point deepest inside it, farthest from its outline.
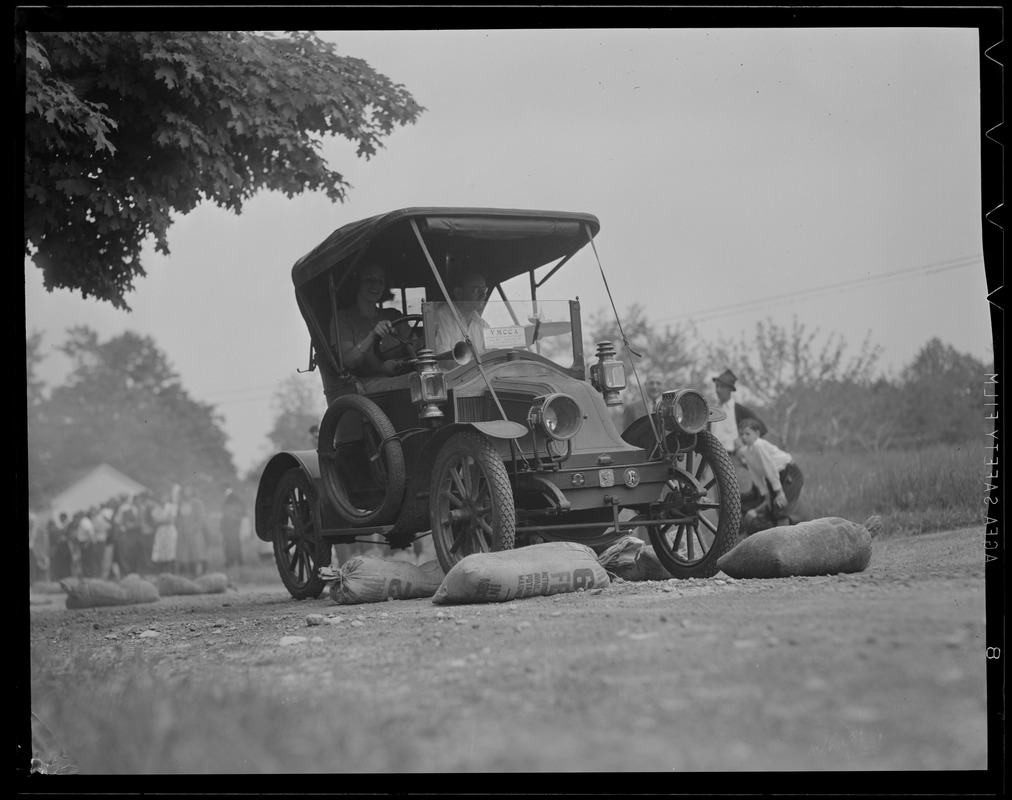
(383, 327)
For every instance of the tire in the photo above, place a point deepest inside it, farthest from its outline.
(691, 549)
(471, 506)
(298, 551)
(362, 480)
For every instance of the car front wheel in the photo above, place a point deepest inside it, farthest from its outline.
(470, 502)
(705, 514)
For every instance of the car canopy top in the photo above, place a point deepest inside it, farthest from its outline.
(499, 243)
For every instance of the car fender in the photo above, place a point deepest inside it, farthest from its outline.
(280, 463)
(499, 428)
(495, 429)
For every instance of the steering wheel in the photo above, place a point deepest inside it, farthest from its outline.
(408, 343)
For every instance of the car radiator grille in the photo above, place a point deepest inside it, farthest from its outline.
(471, 409)
(480, 409)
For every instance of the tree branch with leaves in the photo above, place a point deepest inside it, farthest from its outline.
(124, 130)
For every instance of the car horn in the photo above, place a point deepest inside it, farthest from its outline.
(460, 353)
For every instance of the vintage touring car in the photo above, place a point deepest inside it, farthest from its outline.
(490, 444)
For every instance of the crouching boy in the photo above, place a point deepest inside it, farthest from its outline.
(777, 478)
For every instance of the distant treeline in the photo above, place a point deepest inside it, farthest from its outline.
(123, 404)
(812, 393)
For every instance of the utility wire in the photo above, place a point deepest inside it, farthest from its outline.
(766, 302)
(260, 393)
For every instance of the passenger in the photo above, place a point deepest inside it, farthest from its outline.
(363, 324)
(468, 291)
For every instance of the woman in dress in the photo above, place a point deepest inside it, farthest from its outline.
(191, 551)
(163, 551)
(356, 330)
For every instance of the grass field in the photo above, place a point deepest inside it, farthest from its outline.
(932, 489)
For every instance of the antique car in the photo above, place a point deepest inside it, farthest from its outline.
(491, 444)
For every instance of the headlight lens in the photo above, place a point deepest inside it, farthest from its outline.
(558, 415)
(684, 410)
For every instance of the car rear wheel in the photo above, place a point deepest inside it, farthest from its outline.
(361, 461)
(709, 517)
(298, 551)
(471, 504)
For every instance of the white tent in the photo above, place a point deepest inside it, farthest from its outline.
(99, 484)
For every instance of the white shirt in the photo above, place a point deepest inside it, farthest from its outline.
(85, 530)
(765, 462)
(726, 430)
(448, 331)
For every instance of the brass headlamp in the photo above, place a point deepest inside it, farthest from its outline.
(608, 374)
(428, 386)
(683, 410)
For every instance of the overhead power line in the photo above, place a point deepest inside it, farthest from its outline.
(759, 304)
(265, 392)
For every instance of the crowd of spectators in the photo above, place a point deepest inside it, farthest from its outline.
(145, 533)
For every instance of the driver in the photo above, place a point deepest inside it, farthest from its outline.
(468, 290)
(363, 324)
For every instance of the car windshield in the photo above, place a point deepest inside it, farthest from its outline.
(543, 327)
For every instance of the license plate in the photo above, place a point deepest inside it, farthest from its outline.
(606, 477)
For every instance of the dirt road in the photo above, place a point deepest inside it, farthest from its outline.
(882, 670)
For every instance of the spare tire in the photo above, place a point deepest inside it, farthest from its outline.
(361, 463)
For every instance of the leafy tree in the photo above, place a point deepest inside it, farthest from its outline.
(666, 350)
(640, 344)
(794, 378)
(123, 404)
(847, 415)
(943, 390)
(125, 129)
(298, 406)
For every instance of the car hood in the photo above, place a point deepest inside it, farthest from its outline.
(517, 383)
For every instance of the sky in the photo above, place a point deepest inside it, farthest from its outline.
(830, 175)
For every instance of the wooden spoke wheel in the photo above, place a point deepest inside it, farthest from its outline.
(471, 501)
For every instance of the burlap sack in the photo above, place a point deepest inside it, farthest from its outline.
(47, 587)
(213, 582)
(92, 593)
(139, 590)
(649, 567)
(825, 546)
(170, 584)
(620, 558)
(633, 559)
(371, 580)
(540, 569)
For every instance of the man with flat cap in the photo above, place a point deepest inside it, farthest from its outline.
(727, 432)
(727, 429)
